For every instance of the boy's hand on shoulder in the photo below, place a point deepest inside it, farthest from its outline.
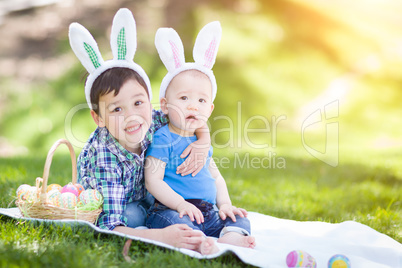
(197, 153)
(186, 208)
(227, 210)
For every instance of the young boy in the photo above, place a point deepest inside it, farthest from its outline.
(186, 96)
(118, 92)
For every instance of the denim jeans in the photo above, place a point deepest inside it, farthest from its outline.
(136, 212)
(160, 216)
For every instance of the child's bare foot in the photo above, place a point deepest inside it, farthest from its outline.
(237, 239)
(208, 246)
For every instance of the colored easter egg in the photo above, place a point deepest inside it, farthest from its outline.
(79, 187)
(53, 197)
(32, 194)
(70, 188)
(91, 197)
(339, 261)
(54, 186)
(22, 191)
(300, 258)
(68, 200)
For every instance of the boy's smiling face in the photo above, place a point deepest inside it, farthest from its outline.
(188, 102)
(127, 115)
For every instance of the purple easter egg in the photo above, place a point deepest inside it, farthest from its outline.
(300, 258)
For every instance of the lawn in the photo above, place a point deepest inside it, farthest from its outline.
(28, 245)
(276, 60)
(305, 189)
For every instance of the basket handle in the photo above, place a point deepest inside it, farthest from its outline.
(49, 162)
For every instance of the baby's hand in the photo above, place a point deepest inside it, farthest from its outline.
(186, 208)
(230, 211)
(197, 153)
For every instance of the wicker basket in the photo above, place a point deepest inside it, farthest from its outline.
(41, 208)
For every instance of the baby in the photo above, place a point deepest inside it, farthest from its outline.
(186, 96)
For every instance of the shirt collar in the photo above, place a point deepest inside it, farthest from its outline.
(117, 149)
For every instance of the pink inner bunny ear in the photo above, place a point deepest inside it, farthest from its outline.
(176, 54)
(209, 56)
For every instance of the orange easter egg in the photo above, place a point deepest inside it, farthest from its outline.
(79, 187)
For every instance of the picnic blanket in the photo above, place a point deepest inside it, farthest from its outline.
(275, 238)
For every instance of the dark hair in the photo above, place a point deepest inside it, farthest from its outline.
(112, 80)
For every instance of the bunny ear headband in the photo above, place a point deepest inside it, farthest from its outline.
(123, 41)
(171, 52)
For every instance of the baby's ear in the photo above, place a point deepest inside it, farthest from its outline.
(164, 108)
(212, 108)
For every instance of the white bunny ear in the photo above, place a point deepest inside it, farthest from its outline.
(170, 48)
(85, 47)
(207, 43)
(123, 39)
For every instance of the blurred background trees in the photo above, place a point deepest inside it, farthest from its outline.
(277, 58)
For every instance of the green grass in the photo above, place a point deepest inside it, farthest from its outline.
(359, 189)
(280, 65)
(28, 245)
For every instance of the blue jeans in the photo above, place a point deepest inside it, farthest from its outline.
(160, 216)
(136, 212)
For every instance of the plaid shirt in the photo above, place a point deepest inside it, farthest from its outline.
(118, 174)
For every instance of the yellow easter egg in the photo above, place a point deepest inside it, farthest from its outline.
(339, 261)
(53, 186)
(339, 264)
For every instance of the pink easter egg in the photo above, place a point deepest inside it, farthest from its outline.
(70, 188)
(300, 258)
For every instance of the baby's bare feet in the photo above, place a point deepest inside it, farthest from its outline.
(208, 246)
(237, 239)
